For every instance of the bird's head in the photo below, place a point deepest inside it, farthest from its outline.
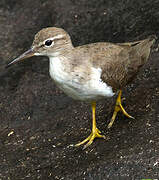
(49, 42)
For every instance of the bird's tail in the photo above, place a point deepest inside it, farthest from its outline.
(143, 47)
(146, 42)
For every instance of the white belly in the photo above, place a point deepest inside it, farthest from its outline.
(93, 89)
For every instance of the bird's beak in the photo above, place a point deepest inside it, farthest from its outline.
(25, 55)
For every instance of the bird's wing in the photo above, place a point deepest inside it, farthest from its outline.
(119, 62)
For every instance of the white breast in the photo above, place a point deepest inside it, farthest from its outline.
(93, 89)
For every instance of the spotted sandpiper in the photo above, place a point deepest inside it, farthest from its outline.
(90, 72)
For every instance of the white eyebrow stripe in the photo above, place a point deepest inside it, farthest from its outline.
(58, 36)
(55, 37)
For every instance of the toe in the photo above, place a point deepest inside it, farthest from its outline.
(84, 141)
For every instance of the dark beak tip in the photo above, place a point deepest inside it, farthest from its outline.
(7, 66)
(25, 55)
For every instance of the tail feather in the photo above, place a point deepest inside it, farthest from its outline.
(143, 49)
(144, 46)
(151, 38)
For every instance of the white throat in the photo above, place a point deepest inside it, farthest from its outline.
(56, 69)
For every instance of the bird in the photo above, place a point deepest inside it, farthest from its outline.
(90, 72)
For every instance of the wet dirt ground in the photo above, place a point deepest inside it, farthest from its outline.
(38, 122)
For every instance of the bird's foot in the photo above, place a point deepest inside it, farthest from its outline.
(118, 107)
(94, 134)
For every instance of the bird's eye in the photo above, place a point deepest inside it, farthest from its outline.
(48, 43)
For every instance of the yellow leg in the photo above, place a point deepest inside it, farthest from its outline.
(95, 132)
(118, 107)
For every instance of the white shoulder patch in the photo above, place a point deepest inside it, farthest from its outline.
(102, 87)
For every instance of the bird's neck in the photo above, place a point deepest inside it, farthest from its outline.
(61, 51)
(57, 67)
(60, 62)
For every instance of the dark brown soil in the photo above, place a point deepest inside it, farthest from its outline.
(38, 122)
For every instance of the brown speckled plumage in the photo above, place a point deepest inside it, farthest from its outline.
(90, 72)
(120, 63)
